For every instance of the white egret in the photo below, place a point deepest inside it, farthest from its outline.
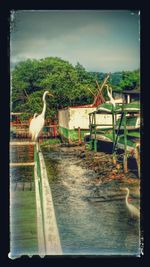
(135, 213)
(109, 93)
(37, 123)
(31, 126)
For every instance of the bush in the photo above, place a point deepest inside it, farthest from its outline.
(53, 141)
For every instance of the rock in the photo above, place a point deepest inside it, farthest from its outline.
(82, 155)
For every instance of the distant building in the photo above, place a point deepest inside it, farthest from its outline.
(131, 95)
(127, 96)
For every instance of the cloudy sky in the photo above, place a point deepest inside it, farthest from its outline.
(100, 40)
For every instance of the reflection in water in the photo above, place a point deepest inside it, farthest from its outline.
(85, 227)
(21, 154)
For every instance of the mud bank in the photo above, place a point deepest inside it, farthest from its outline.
(101, 164)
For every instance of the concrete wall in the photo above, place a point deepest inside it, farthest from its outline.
(79, 117)
(72, 118)
(103, 119)
(64, 118)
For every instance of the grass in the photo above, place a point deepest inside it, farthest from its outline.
(51, 142)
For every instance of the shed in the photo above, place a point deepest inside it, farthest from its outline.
(131, 95)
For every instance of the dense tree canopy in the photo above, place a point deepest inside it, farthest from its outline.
(130, 80)
(70, 85)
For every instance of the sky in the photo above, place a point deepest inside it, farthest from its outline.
(100, 40)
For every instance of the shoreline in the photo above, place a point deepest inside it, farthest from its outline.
(101, 163)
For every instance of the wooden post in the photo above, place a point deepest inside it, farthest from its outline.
(79, 135)
(90, 121)
(54, 131)
(95, 141)
(95, 145)
(114, 159)
(113, 124)
(137, 157)
(128, 99)
(125, 160)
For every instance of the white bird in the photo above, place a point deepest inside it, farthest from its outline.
(109, 93)
(31, 126)
(37, 123)
(135, 213)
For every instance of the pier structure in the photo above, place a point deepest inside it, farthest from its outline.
(122, 133)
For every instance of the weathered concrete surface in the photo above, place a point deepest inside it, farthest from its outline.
(72, 118)
(51, 234)
(40, 227)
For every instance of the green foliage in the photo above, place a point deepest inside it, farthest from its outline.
(130, 80)
(51, 142)
(69, 85)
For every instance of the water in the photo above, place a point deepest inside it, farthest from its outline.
(21, 154)
(23, 230)
(87, 227)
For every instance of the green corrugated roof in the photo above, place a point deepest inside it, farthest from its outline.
(130, 142)
(130, 121)
(107, 107)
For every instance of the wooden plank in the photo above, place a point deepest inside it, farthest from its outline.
(19, 186)
(25, 143)
(20, 164)
(28, 186)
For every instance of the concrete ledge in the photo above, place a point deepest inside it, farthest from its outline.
(51, 234)
(26, 143)
(40, 227)
(21, 164)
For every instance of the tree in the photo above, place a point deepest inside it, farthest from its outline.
(130, 80)
(69, 85)
(32, 77)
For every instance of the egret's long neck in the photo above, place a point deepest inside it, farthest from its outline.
(108, 93)
(44, 107)
(110, 90)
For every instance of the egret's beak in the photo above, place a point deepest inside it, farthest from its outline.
(122, 189)
(50, 94)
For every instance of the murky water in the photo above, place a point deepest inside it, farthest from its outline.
(88, 227)
(20, 154)
(23, 230)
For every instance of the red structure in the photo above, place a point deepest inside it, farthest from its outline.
(98, 99)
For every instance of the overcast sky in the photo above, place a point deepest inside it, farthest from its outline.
(103, 41)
